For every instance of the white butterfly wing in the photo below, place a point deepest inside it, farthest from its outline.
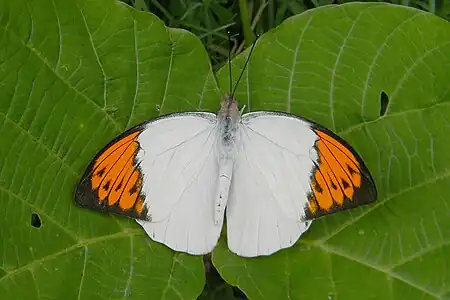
(270, 184)
(289, 171)
(177, 159)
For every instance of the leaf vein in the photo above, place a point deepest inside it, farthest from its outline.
(58, 62)
(136, 89)
(105, 95)
(398, 114)
(74, 247)
(294, 62)
(336, 63)
(377, 55)
(408, 72)
(418, 254)
(169, 71)
(44, 146)
(379, 203)
(378, 268)
(126, 292)
(83, 272)
(63, 80)
(41, 212)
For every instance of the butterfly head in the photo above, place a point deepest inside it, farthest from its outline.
(228, 118)
(229, 109)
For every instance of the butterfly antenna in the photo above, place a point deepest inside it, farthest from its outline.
(229, 60)
(245, 65)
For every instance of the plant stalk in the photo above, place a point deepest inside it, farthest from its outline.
(246, 28)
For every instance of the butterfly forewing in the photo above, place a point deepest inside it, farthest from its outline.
(113, 180)
(340, 180)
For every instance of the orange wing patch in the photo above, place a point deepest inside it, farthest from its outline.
(337, 178)
(114, 181)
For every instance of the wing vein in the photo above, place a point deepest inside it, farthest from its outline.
(346, 173)
(112, 166)
(332, 172)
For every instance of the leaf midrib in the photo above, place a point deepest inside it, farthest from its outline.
(81, 244)
(392, 115)
(379, 203)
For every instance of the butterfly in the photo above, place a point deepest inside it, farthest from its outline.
(270, 173)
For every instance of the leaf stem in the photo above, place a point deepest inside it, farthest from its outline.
(248, 33)
(432, 6)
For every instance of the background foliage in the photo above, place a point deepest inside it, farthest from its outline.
(209, 19)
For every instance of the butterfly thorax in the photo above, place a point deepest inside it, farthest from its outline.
(228, 118)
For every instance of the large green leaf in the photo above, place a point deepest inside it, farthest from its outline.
(332, 65)
(74, 74)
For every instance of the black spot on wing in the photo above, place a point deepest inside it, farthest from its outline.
(345, 184)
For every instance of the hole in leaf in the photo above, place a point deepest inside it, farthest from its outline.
(35, 220)
(216, 287)
(384, 101)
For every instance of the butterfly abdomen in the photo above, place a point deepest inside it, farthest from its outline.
(223, 189)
